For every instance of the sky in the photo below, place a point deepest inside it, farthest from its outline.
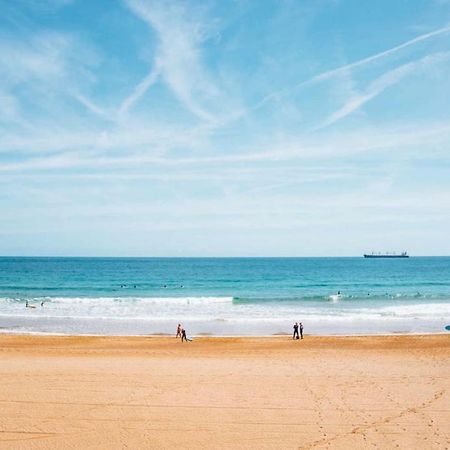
(224, 128)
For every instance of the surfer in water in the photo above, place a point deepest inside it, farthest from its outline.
(178, 331)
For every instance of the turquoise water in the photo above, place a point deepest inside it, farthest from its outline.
(224, 295)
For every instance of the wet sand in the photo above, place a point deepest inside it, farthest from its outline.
(134, 392)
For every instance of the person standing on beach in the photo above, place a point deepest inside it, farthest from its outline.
(178, 331)
(301, 330)
(295, 335)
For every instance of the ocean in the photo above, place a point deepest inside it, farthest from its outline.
(224, 296)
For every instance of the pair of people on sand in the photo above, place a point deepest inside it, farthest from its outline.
(298, 327)
(181, 332)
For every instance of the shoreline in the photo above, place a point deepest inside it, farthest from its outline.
(220, 336)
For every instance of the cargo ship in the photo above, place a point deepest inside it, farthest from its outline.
(386, 255)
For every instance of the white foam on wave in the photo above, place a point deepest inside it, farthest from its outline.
(85, 308)
(419, 310)
(111, 301)
(215, 314)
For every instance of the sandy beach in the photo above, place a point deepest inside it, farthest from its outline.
(133, 392)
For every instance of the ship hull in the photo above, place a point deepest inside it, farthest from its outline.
(386, 256)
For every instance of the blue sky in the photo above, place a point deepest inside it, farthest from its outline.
(171, 128)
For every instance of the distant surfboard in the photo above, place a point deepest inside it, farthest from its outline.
(447, 327)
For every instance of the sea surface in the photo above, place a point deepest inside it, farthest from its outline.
(224, 296)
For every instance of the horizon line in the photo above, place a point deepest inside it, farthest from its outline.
(207, 257)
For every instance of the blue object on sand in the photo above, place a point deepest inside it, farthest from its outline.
(447, 327)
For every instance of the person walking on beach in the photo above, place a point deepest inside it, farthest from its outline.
(301, 330)
(178, 330)
(183, 336)
(295, 335)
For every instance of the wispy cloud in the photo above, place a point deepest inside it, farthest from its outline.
(179, 30)
(383, 82)
(41, 58)
(339, 71)
(336, 146)
(91, 106)
(41, 70)
(362, 62)
(140, 90)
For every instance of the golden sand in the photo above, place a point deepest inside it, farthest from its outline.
(262, 393)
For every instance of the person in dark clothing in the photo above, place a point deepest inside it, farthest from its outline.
(295, 335)
(301, 330)
(183, 336)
